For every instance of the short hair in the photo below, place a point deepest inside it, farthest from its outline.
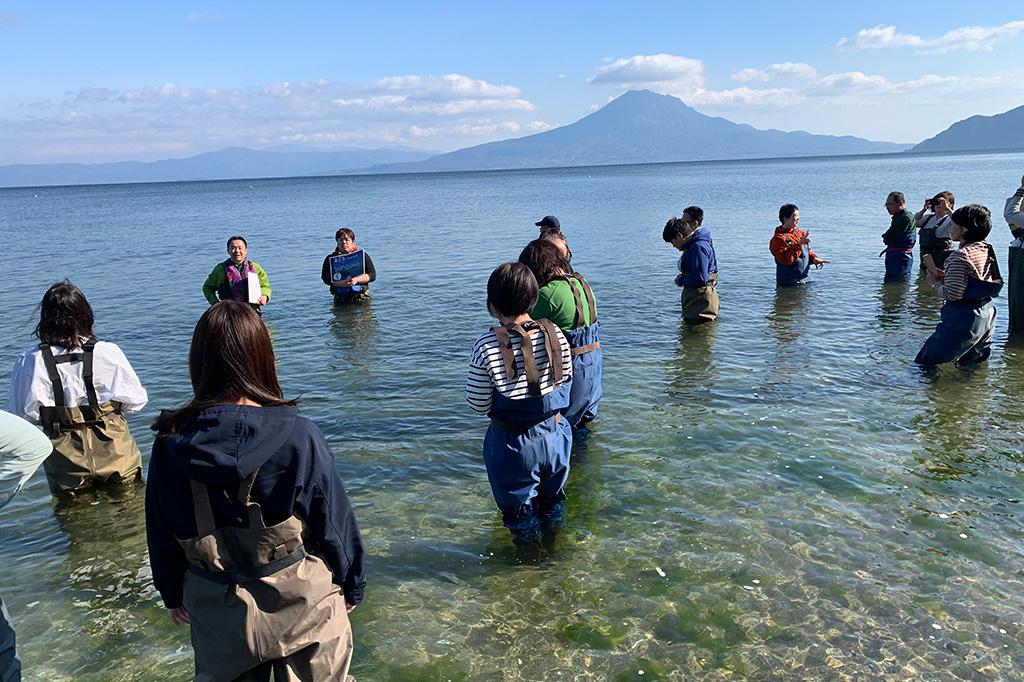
(786, 212)
(948, 196)
(239, 238)
(512, 289)
(696, 212)
(65, 316)
(673, 228)
(346, 233)
(898, 197)
(976, 221)
(545, 260)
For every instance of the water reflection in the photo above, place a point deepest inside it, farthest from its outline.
(694, 368)
(953, 422)
(354, 327)
(786, 316)
(892, 298)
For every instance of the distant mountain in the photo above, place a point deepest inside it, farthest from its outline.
(1002, 131)
(230, 163)
(642, 127)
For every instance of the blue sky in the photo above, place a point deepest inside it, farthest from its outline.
(111, 81)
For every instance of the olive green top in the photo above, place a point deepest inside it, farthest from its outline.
(556, 303)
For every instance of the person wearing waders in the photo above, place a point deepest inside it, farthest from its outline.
(252, 539)
(899, 239)
(351, 289)
(791, 248)
(566, 299)
(78, 388)
(520, 376)
(970, 281)
(698, 266)
(935, 222)
(1014, 215)
(229, 279)
(22, 449)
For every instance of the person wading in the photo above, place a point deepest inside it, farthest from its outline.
(791, 248)
(698, 265)
(1014, 215)
(229, 279)
(78, 389)
(252, 539)
(899, 239)
(935, 223)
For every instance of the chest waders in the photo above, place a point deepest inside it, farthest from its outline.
(938, 247)
(91, 443)
(964, 333)
(527, 446)
(1015, 290)
(587, 357)
(701, 304)
(258, 602)
(796, 272)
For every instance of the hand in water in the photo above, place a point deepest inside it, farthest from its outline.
(180, 616)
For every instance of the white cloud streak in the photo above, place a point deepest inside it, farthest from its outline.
(964, 39)
(655, 71)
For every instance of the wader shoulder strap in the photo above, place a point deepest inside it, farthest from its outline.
(90, 387)
(505, 347)
(589, 293)
(201, 506)
(51, 370)
(529, 359)
(554, 349)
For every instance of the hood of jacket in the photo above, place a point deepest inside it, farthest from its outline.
(225, 443)
(701, 235)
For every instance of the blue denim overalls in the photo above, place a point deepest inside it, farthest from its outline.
(964, 335)
(527, 446)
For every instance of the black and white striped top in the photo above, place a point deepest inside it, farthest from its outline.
(487, 371)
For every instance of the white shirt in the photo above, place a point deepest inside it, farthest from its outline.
(113, 378)
(23, 448)
(943, 226)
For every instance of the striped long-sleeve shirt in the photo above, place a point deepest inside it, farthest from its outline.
(487, 371)
(970, 260)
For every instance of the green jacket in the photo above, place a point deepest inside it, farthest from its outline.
(219, 278)
(556, 303)
(902, 226)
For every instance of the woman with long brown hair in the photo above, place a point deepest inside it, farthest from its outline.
(252, 539)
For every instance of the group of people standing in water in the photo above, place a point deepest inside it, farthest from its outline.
(252, 538)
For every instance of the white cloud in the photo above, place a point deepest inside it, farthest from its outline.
(964, 39)
(203, 17)
(794, 69)
(662, 72)
(97, 123)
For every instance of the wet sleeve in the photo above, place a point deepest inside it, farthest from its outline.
(23, 448)
(166, 557)
(322, 502)
(212, 283)
(325, 271)
(264, 280)
(370, 270)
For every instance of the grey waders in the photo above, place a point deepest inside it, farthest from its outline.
(259, 602)
(91, 444)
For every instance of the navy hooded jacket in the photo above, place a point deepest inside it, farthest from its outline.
(221, 446)
(698, 261)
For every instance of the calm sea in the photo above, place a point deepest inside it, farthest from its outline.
(782, 495)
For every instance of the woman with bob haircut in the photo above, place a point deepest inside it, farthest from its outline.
(971, 280)
(78, 389)
(519, 376)
(252, 540)
(566, 299)
(791, 248)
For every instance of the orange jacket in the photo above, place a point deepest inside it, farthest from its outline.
(786, 247)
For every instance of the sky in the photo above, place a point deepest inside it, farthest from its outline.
(109, 81)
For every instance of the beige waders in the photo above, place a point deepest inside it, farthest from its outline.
(700, 304)
(92, 443)
(259, 602)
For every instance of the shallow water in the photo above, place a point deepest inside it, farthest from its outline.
(782, 495)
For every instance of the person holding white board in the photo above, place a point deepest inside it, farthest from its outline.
(348, 270)
(238, 278)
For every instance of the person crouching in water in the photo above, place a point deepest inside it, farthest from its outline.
(252, 540)
(698, 266)
(352, 289)
(899, 239)
(566, 299)
(78, 389)
(970, 282)
(520, 376)
(791, 247)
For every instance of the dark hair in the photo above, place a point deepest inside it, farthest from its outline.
(345, 232)
(231, 357)
(545, 260)
(512, 289)
(786, 212)
(948, 196)
(976, 221)
(239, 238)
(65, 316)
(696, 213)
(898, 197)
(673, 228)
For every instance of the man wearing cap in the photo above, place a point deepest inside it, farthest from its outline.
(549, 225)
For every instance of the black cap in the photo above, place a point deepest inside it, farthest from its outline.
(549, 221)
